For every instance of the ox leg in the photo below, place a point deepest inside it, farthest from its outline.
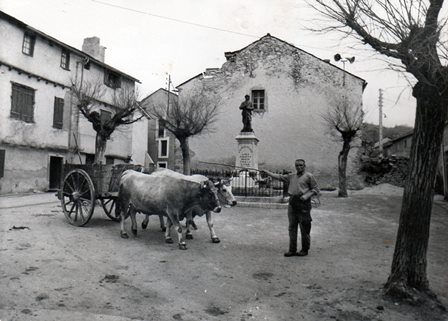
(188, 234)
(133, 220)
(145, 222)
(173, 216)
(190, 223)
(168, 238)
(213, 236)
(123, 215)
(162, 223)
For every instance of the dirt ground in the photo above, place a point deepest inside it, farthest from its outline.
(51, 270)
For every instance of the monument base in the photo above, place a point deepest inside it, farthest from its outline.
(247, 156)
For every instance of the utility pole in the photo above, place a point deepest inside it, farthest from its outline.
(380, 126)
(168, 94)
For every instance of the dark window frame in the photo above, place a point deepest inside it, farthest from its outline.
(58, 113)
(2, 162)
(112, 79)
(259, 100)
(21, 95)
(160, 129)
(65, 59)
(29, 41)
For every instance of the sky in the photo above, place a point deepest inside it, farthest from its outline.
(151, 39)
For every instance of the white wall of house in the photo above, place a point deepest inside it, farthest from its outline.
(299, 88)
(28, 146)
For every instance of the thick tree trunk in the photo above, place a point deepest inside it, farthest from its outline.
(100, 148)
(408, 272)
(342, 169)
(184, 146)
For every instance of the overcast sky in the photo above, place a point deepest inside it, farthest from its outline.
(148, 39)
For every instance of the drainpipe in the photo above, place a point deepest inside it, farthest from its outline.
(444, 173)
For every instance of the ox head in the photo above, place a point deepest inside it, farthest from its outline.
(209, 197)
(225, 194)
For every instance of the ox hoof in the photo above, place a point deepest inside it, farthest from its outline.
(169, 241)
(163, 229)
(189, 236)
(124, 235)
(134, 232)
(216, 240)
(144, 225)
(182, 246)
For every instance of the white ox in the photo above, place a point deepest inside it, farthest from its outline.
(226, 199)
(165, 192)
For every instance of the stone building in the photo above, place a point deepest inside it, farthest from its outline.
(162, 144)
(290, 90)
(41, 126)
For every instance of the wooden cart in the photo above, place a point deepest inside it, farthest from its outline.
(84, 185)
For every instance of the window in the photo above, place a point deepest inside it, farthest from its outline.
(65, 59)
(90, 158)
(162, 164)
(28, 43)
(2, 163)
(22, 102)
(161, 128)
(105, 116)
(58, 112)
(112, 79)
(163, 148)
(258, 100)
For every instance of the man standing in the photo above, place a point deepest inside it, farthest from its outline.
(246, 111)
(302, 186)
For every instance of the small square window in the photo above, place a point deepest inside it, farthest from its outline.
(112, 79)
(28, 43)
(162, 164)
(65, 59)
(22, 103)
(258, 100)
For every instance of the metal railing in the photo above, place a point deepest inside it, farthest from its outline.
(247, 182)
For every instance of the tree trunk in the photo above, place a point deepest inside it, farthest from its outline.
(100, 148)
(342, 168)
(408, 271)
(184, 146)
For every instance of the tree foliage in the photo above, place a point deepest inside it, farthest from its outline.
(413, 35)
(191, 114)
(345, 121)
(123, 110)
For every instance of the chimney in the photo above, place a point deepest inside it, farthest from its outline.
(92, 47)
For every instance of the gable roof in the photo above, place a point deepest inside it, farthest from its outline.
(81, 53)
(158, 90)
(229, 53)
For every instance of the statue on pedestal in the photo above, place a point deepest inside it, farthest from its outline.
(246, 111)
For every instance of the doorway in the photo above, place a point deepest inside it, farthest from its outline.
(55, 172)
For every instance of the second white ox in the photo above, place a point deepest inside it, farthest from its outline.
(168, 193)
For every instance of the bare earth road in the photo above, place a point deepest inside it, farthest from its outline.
(54, 271)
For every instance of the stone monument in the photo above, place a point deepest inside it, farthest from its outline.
(247, 156)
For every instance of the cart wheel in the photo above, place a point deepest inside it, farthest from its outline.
(78, 197)
(109, 208)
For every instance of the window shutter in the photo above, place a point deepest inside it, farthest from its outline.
(2, 162)
(58, 112)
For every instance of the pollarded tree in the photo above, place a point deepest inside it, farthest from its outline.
(190, 115)
(410, 32)
(344, 122)
(123, 111)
